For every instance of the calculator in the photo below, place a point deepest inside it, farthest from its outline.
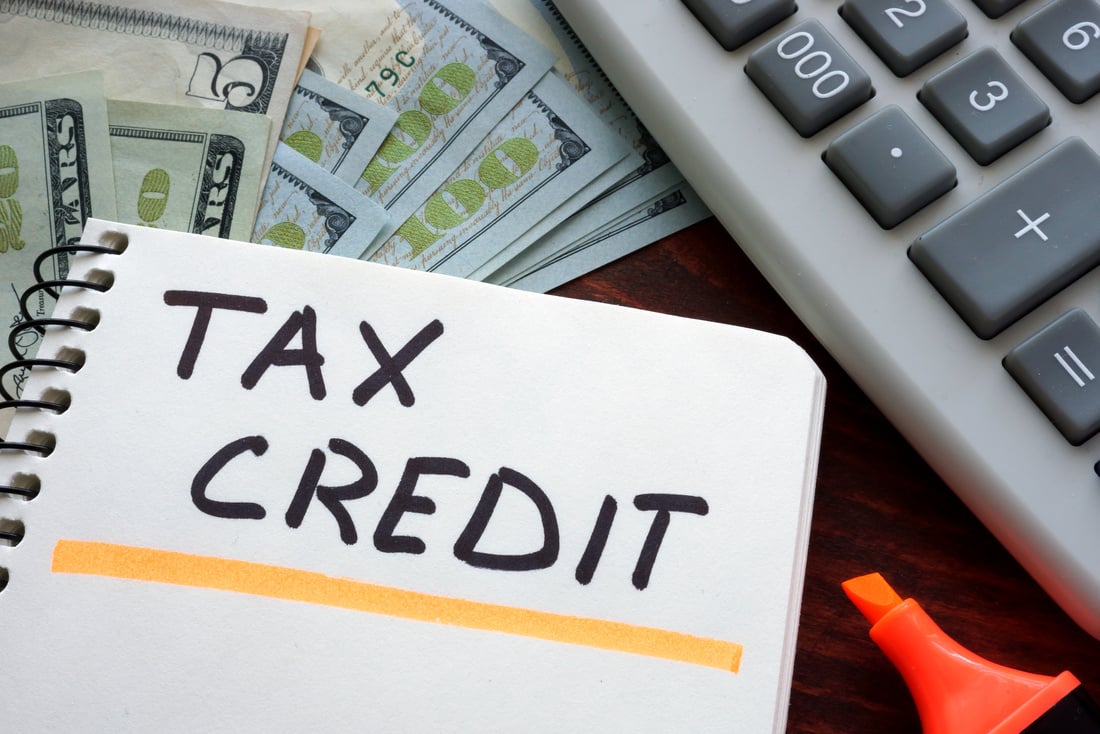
(920, 181)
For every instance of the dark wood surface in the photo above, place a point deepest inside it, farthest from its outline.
(878, 507)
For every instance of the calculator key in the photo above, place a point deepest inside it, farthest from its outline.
(1058, 369)
(1063, 40)
(1020, 243)
(996, 8)
(985, 105)
(809, 77)
(905, 34)
(736, 22)
(890, 165)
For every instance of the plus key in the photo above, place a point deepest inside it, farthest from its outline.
(1020, 243)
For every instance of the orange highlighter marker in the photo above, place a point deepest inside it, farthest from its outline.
(958, 692)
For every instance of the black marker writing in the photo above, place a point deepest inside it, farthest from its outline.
(390, 367)
(333, 498)
(300, 325)
(597, 541)
(664, 505)
(405, 501)
(544, 557)
(205, 303)
(278, 353)
(217, 462)
(545, 535)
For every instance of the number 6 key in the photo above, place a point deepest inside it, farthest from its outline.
(1063, 40)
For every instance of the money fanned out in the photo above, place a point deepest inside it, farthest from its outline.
(304, 207)
(476, 138)
(187, 169)
(201, 53)
(630, 195)
(549, 145)
(451, 69)
(661, 216)
(55, 173)
(469, 69)
(334, 127)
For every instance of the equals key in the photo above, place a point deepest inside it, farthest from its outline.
(1057, 368)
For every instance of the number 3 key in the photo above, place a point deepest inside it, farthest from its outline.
(985, 105)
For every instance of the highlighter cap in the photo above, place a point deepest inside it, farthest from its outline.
(955, 690)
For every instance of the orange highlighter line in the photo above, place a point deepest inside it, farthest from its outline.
(185, 569)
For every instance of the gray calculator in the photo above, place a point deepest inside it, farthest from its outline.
(920, 181)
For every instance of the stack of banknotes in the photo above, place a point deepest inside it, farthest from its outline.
(475, 138)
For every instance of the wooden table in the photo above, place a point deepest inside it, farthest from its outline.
(878, 507)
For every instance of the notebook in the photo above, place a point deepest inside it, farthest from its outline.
(296, 492)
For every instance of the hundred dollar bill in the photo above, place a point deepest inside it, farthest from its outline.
(655, 173)
(470, 69)
(451, 70)
(334, 127)
(659, 217)
(55, 173)
(664, 214)
(202, 53)
(652, 175)
(187, 169)
(307, 208)
(547, 147)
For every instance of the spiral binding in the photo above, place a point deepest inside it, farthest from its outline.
(11, 532)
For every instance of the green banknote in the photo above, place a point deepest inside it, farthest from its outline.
(544, 267)
(549, 146)
(304, 207)
(187, 169)
(55, 173)
(631, 193)
(334, 127)
(200, 53)
(451, 70)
